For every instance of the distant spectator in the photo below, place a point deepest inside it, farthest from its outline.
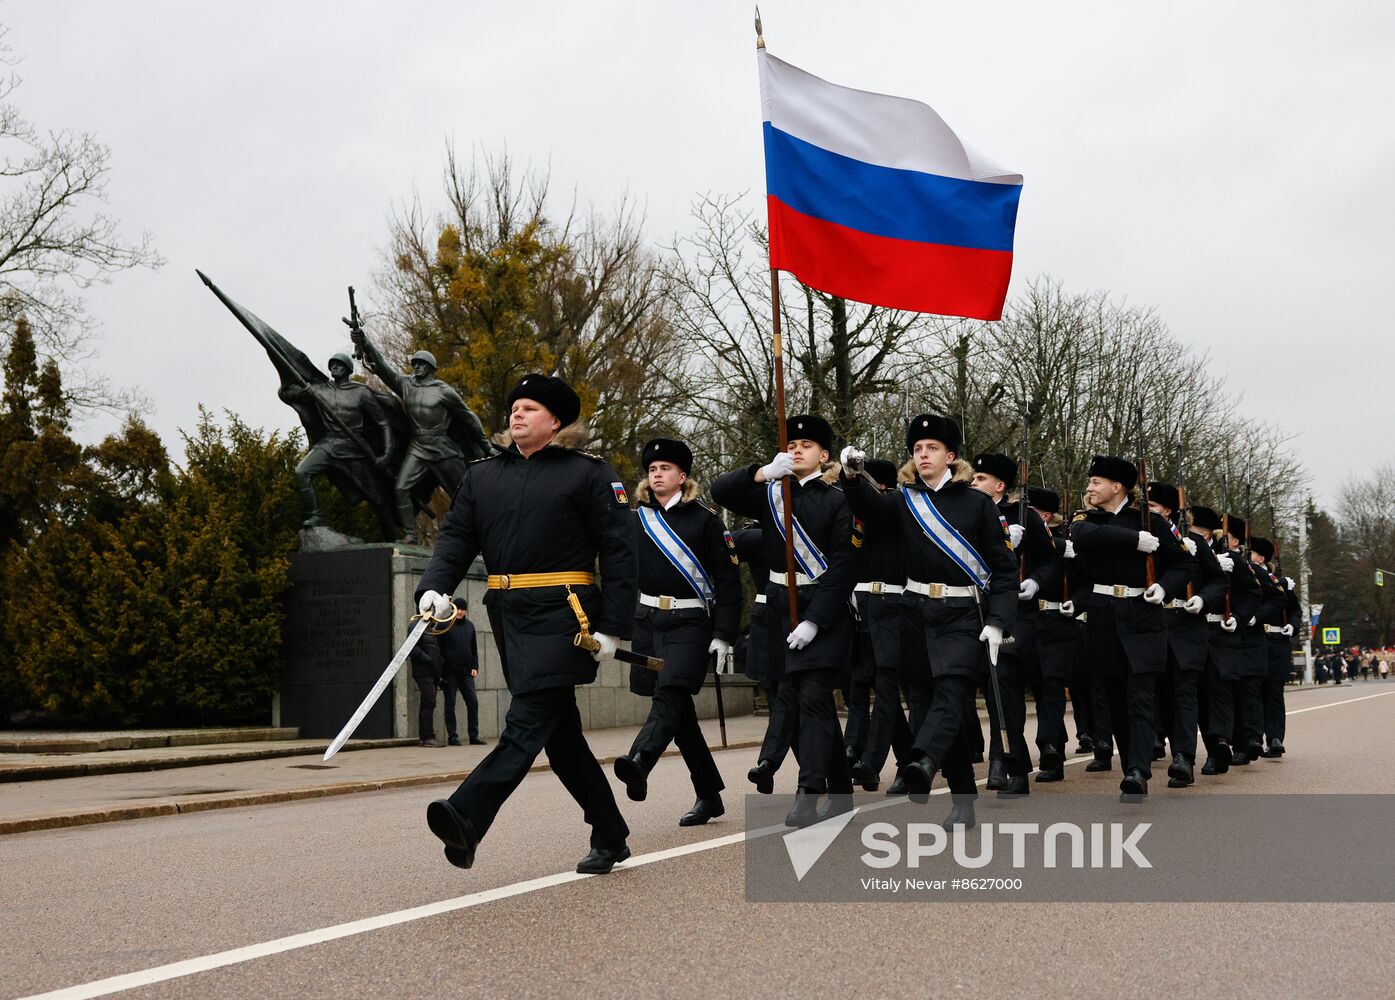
(426, 671)
(460, 665)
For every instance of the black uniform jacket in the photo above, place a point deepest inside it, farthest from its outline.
(1037, 560)
(881, 560)
(952, 624)
(681, 636)
(750, 549)
(824, 515)
(558, 511)
(1275, 612)
(1188, 635)
(1059, 640)
(1106, 549)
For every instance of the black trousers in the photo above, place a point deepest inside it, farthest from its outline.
(1012, 682)
(782, 723)
(823, 764)
(543, 721)
(1248, 693)
(1050, 697)
(943, 736)
(1178, 707)
(1216, 708)
(1103, 726)
(1274, 719)
(465, 684)
(858, 695)
(888, 730)
(673, 719)
(426, 709)
(1132, 700)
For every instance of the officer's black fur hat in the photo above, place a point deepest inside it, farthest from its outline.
(550, 391)
(1165, 494)
(882, 471)
(999, 465)
(1205, 518)
(667, 450)
(1263, 546)
(1236, 526)
(935, 427)
(1112, 467)
(807, 427)
(1048, 501)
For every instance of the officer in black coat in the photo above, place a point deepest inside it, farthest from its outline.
(814, 653)
(460, 665)
(879, 590)
(543, 516)
(1188, 644)
(1059, 645)
(750, 549)
(1126, 638)
(1277, 615)
(1019, 670)
(1247, 739)
(965, 593)
(689, 607)
(1215, 710)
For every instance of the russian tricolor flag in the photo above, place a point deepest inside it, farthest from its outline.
(874, 198)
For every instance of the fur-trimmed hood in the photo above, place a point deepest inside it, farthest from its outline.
(691, 490)
(963, 471)
(574, 437)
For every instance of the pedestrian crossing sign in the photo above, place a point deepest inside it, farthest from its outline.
(1331, 637)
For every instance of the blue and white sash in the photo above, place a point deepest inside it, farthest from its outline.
(806, 554)
(946, 539)
(678, 553)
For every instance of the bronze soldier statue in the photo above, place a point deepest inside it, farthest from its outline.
(444, 433)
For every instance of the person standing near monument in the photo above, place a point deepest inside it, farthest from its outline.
(544, 517)
(460, 665)
(445, 433)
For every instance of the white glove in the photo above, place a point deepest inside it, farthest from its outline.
(1194, 605)
(1027, 589)
(1015, 533)
(1228, 624)
(1190, 545)
(1227, 563)
(609, 644)
(1147, 542)
(1289, 582)
(1287, 631)
(778, 467)
(1068, 608)
(721, 647)
(992, 635)
(1070, 549)
(802, 635)
(1251, 623)
(1154, 594)
(852, 458)
(435, 604)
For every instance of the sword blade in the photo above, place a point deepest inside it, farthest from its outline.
(393, 666)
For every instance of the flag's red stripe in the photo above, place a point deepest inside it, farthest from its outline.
(900, 274)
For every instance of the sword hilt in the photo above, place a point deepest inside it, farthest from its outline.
(438, 626)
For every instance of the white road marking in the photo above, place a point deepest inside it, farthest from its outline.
(248, 953)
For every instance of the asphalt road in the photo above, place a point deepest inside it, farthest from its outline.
(88, 903)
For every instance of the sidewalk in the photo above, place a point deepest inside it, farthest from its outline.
(103, 798)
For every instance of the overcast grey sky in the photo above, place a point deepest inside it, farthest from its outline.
(1226, 163)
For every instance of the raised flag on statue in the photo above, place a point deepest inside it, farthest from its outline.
(874, 198)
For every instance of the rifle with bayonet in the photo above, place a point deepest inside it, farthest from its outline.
(1145, 514)
(1023, 470)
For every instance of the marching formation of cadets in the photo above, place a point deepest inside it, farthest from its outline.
(917, 586)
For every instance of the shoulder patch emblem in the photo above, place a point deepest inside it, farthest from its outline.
(731, 547)
(621, 497)
(1079, 516)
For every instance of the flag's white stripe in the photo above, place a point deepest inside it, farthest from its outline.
(874, 128)
(676, 551)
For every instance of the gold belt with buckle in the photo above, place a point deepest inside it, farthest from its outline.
(527, 581)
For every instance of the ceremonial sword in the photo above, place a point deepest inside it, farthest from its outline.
(423, 622)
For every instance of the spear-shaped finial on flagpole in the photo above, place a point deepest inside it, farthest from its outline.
(760, 38)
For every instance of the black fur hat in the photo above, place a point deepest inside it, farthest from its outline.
(550, 391)
(807, 427)
(1112, 467)
(667, 450)
(935, 427)
(999, 465)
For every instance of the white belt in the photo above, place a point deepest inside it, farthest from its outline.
(1118, 590)
(800, 580)
(760, 599)
(1215, 619)
(877, 587)
(938, 591)
(671, 603)
(1048, 605)
(1178, 605)
(1273, 629)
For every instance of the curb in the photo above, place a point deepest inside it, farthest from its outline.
(180, 807)
(45, 772)
(180, 738)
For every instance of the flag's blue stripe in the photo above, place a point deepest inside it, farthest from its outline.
(884, 201)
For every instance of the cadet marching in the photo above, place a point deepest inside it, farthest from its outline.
(918, 581)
